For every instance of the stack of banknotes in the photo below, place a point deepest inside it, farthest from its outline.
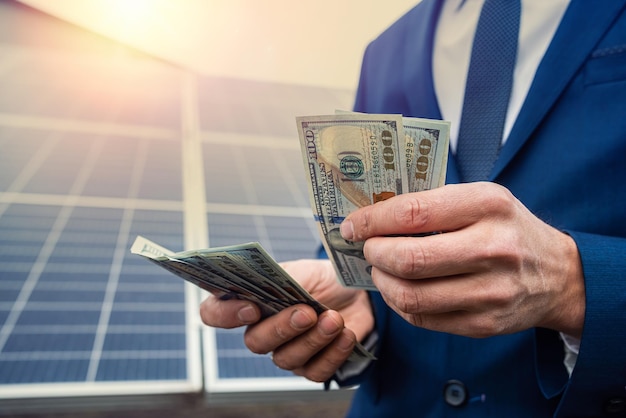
(351, 160)
(242, 271)
(354, 159)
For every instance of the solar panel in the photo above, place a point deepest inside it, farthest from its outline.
(78, 308)
(98, 149)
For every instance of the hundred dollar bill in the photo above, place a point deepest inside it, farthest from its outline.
(351, 160)
(426, 151)
(243, 271)
(426, 154)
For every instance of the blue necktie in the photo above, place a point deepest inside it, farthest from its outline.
(488, 88)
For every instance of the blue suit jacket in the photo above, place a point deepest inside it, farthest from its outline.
(565, 159)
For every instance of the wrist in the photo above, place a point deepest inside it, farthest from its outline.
(569, 311)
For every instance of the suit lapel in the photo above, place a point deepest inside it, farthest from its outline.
(581, 28)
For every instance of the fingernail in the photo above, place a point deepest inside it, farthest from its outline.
(328, 326)
(247, 315)
(347, 230)
(300, 320)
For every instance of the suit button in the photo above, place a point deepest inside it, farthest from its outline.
(454, 393)
(615, 406)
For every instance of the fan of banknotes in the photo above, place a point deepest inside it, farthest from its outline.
(351, 160)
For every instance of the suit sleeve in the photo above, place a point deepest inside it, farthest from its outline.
(597, 385)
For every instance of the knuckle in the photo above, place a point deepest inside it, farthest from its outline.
(364, 226)
(499, 199)
(485, 327)
(501, 246)
(411, 212)
(278, 333)
(408, 301)
(263, 344)
(506, 296)
(312, 344)
(411, 260)
(498, 293)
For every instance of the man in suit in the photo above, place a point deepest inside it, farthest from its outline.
(519, 308)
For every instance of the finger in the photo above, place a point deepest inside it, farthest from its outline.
(465, 293)
(470, 250)
(322, 366)
(288, 324)
(442, 209)
(315, 341)
(228, 313)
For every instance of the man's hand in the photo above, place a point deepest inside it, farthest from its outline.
(495, 269)
(300, 341)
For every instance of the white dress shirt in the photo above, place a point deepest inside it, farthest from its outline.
(453, 45)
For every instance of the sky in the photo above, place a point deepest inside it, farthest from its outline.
(318, 43)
